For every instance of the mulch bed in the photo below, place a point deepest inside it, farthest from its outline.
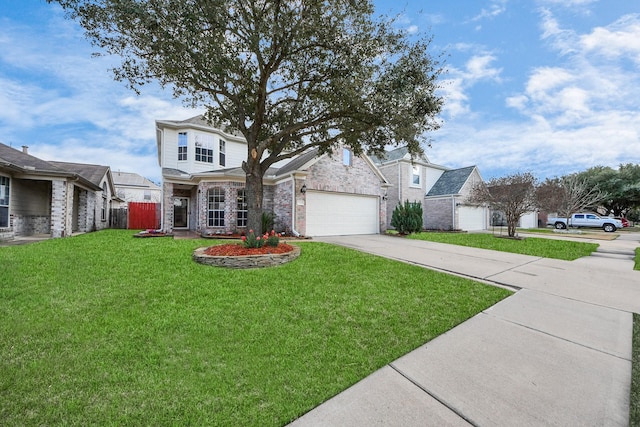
(235, 249)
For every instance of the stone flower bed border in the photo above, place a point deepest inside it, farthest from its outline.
(245, 261)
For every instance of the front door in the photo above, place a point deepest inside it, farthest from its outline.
(181, 212)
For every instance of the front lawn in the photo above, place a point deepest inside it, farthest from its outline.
(105, 329)
(547, 248)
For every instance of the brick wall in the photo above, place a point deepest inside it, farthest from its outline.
(438, 214)
(282, 205)
(58, 208)
(28, 225)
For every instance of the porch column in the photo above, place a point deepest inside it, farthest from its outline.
(167, 202)
(58, 207)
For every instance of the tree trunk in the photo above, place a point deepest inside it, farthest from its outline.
(254, 192)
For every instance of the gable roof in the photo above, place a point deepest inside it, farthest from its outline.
(451, 182)
(397, 154)
(129, 179)
(24, 162)
(298, 162)
(92, 173)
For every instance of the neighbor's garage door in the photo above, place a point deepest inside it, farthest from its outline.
(471, 218)
(339, 214)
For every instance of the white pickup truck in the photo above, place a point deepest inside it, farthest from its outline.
(586, 220)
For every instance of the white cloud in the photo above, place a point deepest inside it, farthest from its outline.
(582, 112)
(567, 3)
(497, 7)
(477, 68)
(619, 40)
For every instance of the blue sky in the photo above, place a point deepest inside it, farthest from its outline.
(543, 86)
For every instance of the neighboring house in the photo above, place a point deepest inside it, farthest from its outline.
(446, 205)
(131, 187)
(204, 185)
(441, 190)
(55, 198)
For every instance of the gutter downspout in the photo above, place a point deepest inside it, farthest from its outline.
(293, 207)
(453, 212)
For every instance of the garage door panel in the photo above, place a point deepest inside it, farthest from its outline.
(339, 214)
(471, 218)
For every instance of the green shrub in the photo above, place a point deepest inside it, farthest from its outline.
(268, 220)
(407, 218)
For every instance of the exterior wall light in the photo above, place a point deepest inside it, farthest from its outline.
(303, 189)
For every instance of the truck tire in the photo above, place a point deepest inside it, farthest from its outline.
(560, 225)
(609, 228)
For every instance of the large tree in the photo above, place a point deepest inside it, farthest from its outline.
(290, 75)
(622, 187)
(513, 195)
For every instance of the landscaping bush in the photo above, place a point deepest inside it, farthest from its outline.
(407, 218)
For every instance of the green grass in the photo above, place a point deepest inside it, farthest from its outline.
(637, 264)
(105, 329)
(634, 412)
(548, 248)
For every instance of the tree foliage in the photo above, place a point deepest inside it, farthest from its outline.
(407, 218)
(513, 195)
(289, 75)
(622, 187)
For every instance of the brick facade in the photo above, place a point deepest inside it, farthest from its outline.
(284, 197)
(438, 214)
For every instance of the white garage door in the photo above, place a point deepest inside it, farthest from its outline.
(330, 214)
(471, 218)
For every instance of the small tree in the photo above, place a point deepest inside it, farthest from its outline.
(513, 195)
(567, 195)
(407, 218)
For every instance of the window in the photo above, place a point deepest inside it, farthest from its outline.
(241, 208)
(103, 215)
(204, 150)
(347, 157)
(147, 194)
(4, 201)
(182, 146)
(415, 176)
(222, 150)
(216, 207)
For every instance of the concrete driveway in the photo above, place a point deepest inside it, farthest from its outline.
(557, 352)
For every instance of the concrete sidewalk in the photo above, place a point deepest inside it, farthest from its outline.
(557, 352)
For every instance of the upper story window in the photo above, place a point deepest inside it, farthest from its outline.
(416, 176)
(147, 194)
(182, 146)
(347, 157)
(4, 201)
(204, 151)
(222, 150)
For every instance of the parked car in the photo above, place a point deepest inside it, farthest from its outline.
(586, 220)
(625, 222)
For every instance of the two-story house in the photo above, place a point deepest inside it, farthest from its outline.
(204, 185)
(442, 191)
(131, 187)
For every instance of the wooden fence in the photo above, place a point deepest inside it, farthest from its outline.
(137, 216)
(143, 216)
